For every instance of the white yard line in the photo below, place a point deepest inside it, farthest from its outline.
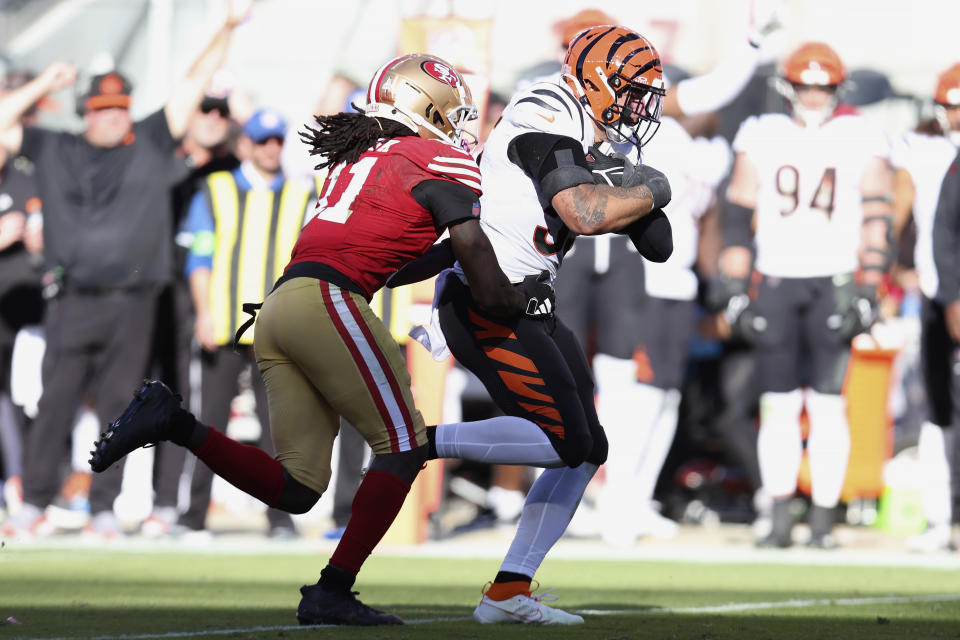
(732, 607)
(781, 604)
(572, 549)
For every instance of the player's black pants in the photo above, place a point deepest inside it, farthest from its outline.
(533, 369)
(219, 385)
(170, 362)
(940, 358)
(97, 345)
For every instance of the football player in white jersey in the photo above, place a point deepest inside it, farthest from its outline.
(642, 336)
(815, 186)
(921, 162)
(538, 195)
(640, 345)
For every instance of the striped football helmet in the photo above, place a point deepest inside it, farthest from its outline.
(616, 75)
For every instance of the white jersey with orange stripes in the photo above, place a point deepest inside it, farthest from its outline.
(809, 202)
(694, 166)
(926, 158)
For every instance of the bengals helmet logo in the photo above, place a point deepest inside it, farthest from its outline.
(111, 85)
(440, 71)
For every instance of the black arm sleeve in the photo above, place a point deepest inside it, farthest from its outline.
(553, 162)
(946, 236)
(34, 142)
(448, 202)
(157, 130)
(735, 220)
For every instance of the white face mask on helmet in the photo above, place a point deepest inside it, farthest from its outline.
(813, 64)
(952, 133)
(809, 116)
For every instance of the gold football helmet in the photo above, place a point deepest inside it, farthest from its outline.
(423, 93)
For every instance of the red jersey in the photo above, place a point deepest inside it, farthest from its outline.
(366, 223)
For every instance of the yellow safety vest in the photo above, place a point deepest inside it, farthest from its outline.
(393, 307)
(255, 233)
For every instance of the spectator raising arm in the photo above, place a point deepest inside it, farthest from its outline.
(16, 103)
(188, 93)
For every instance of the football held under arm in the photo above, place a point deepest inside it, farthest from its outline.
(559, 166)
(652, 235)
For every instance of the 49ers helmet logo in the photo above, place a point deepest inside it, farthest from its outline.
(440, 71)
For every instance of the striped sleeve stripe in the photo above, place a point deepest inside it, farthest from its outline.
(467, 177)
(454, 171)
(467, 162)
(394, 395)
(566, 98)
(375, 372)
(547, 93)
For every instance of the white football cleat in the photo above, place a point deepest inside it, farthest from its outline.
(523, 608)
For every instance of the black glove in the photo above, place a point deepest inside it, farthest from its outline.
(607, 169)
(745, 323)
(541, 298)
(856, 310)
(722, 289)
(657, 183)
(729, 296)
(616, 170)
(436, 259)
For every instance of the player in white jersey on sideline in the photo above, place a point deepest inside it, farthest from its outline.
(597, 296)
(538, 195)
(639, 397)
(920, 162)
(816, 187)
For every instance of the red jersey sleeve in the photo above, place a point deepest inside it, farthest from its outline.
(443, 161)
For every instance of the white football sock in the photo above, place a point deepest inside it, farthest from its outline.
(551, 503)
(828, 447)
(935, 470)
(500, 440)
(779, 443)
(506, 504)
(628, 412)
(654, 454)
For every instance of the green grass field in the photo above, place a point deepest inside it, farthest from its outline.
(92, 593)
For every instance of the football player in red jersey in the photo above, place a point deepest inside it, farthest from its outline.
(398, 178)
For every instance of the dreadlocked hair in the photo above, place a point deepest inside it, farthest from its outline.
(344, 136)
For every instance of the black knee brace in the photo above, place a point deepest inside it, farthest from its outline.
(295, 497)
(405, 465)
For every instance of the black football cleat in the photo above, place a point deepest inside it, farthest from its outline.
(775, 541)
(319, 606)
(822, 541)
(146, 421)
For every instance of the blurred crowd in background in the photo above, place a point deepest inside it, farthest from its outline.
(246, 124)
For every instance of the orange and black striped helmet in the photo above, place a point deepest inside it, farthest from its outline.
(947, 96)
(814, 64)
(948, 87)
(616, 75)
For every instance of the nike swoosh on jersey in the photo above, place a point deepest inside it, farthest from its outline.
(547, 118)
